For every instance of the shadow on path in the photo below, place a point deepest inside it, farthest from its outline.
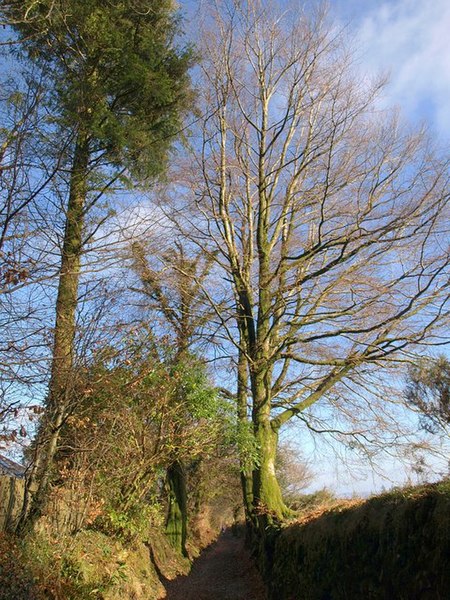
(224, 571)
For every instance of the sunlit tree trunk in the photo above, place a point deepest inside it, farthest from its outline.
(61, 381)
(268, 504)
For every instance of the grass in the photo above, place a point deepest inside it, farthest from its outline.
(396, 545)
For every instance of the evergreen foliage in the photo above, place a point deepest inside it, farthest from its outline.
(114, 71)
(117, 85)
(428, 389)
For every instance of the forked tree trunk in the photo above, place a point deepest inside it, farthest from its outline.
(61, 378)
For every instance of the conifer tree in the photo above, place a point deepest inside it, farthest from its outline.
(117, 85)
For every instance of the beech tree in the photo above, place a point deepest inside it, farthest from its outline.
(326, 217)
(116, 83)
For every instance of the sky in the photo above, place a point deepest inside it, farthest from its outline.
(406, 39)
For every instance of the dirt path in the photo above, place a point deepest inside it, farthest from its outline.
(224, 571)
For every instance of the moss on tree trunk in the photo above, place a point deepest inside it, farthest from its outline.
(61, 379)
(267, 498)
(268, 504)
(176, 524)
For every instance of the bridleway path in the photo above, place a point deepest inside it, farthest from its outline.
(224, 571)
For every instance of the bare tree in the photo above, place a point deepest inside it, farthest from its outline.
(328, 220)
(293, 471)
(26, 173)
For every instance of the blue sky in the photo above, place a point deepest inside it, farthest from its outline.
(408, 40)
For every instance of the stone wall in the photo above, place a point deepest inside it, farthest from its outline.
(11, 497)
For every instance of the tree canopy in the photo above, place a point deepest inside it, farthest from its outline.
(113, 70)
(326, 216)
(293, 257)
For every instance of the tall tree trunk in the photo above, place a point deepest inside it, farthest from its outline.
(176, 524)
(61, 379)
(245, 465)
(268, 504)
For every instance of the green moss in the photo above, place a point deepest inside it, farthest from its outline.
(396, 545)
(87, 566)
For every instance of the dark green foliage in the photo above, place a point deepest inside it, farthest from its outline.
(176, 523)
(114, 72)
(428, 389)
(393, 546)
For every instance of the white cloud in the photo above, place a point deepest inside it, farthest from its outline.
(409, 39)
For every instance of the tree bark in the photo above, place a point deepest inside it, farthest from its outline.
(61, 378)
(268, 502)
(176, 524)
(245, 466)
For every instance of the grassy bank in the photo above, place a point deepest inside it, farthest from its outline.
(88, 565)
(393, 546)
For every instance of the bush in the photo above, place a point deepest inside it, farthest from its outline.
(308, 502)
